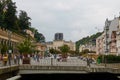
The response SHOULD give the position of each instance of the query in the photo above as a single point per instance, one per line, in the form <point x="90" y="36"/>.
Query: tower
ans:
<point x="58" y="36"/>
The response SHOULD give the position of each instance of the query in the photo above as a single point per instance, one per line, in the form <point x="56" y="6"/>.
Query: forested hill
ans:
<point x="85" y="40"/>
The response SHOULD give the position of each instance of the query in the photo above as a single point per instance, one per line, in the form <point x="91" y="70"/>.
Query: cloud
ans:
<point x="74" y="18"/>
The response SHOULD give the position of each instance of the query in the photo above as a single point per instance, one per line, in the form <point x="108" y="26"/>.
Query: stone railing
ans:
<point x="8" y="69"/>
<point x="60" y="68"/>
<point x="68" y="68"/>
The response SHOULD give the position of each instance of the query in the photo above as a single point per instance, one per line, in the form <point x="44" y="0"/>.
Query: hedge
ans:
<point x="109" y="59"/>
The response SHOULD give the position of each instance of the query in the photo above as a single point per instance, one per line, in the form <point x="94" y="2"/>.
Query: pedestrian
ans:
<point x="1" y="58"/>
<point x="5" y="59"/>
<point x="37" y="57"/>
<point x="15" y="59"/>
<point x="88" y="62"/>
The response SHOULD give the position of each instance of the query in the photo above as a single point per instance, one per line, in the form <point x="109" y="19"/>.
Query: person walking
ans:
<point x="5" y="59"/>
<point x="88" y="61"/>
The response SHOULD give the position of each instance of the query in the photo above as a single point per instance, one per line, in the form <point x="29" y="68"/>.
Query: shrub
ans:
<point x="109" y="58"/>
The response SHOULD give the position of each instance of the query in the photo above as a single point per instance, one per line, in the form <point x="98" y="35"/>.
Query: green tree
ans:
<point x="26" y="47"/>
<point x="4" y="48"/>
<point x="1" y="13"/>
<point x="64" y="49"/>
<point x="52" y="51"/>
<point x="24" y="22"/>
<point x="3" y="4"/>
<point x="10" y="15"/>
<point x="39" y="37"/>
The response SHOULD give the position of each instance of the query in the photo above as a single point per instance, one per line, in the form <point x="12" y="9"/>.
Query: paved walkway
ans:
<point x="72" y="61"/>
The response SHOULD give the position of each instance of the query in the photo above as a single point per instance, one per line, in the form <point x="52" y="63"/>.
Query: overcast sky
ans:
<point x="74" y="18"/>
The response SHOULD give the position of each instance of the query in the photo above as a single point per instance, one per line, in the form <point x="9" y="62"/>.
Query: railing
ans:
<point x="72" y="63"/>
<point x="47" y="61"/>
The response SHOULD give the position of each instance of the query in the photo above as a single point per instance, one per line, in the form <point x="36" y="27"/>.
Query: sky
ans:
<point x="74" y="18"/>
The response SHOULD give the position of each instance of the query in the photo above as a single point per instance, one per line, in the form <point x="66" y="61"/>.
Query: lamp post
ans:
<point x="9" y="47"/>
<point x="106" y="41"/>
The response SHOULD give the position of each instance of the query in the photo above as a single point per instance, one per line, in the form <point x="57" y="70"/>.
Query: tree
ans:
<point x="64" y="49"/>
<point x="4" y="48"/>
<point x="24" y="22"/>
<point x="52" y="51"/>
<point x="39" y="37"/>
<point x="3" y="4"/>
<point x="25" y="47"/>
<point x="10" y="15"/>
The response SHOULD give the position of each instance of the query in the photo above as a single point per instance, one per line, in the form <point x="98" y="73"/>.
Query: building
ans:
<point x="110" y="35"/>
<point x="12" y="39"/>
<point x="89" y="47"/>
<point x="81" y="48"/>
<point x="58" y="36"/>
<point x="58" y="42"/>
<point x="109" y="41"/>
<point x="29" y="32"/>
<point x="100" y="44"/>
<point x="118" y="37"/>
<point x="41" y="48"/>
<point x="9" y="38"/>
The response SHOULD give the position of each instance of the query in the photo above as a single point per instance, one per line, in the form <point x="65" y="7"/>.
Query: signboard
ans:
<point x="10" y="51"/>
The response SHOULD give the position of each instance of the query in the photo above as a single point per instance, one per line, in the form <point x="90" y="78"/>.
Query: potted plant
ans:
<point x="25" y="48"/>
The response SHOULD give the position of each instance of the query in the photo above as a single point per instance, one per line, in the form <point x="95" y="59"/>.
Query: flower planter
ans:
<point x="26" y="60"/>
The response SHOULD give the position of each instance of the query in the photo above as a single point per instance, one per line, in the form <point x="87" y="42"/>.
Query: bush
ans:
<point x="109" y="58"/>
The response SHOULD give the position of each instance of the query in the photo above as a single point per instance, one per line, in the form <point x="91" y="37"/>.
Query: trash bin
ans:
<point x="98" y="61"/>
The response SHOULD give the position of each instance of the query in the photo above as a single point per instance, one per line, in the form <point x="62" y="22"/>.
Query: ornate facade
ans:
<point x="10" y="39"/>
<point x="109" y="43"/>
<point x="58" y="43"/>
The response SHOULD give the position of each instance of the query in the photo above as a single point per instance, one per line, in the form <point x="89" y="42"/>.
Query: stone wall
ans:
<point x="68" y="68"/>
<point x="8" y="72"/>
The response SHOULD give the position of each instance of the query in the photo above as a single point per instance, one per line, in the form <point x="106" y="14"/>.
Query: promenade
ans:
<point x="72" y="61"/>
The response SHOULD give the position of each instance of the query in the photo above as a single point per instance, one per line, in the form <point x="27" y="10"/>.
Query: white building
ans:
<point x="100" y="44"/>
<point x="89" y="47"/>
<point x="109" y="42"/>
<point x="29" y="32"/>
<point x="118" y="37"/>
<point x="58" y="43"/>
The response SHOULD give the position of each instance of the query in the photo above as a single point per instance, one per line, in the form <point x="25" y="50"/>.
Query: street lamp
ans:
<point x="106" y="41"/>
<point x="9" y="47"/>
